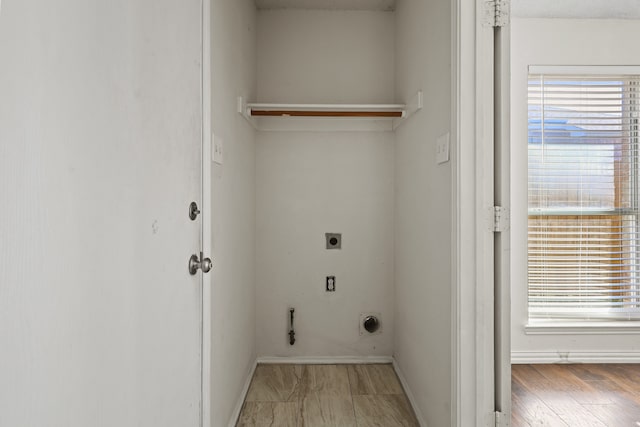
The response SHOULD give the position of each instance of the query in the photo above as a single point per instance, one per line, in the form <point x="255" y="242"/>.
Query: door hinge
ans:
<point x="500" y="419"/>
<point x="496" y="12"/>
<point x="498" y="219"/>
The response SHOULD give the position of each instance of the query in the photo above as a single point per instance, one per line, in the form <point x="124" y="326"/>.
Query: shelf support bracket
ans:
<point x="242" y="109"/>
<point x="415" y="104"/>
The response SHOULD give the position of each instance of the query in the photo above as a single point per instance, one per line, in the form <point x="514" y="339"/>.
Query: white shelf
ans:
<point x="397" y="113"/>
<point x="326" y="110"/>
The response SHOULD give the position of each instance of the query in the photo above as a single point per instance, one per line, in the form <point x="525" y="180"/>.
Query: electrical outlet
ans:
<point x="217" y="152"/>
<point x="442" y="148"/>
<point x="331" y="284"/>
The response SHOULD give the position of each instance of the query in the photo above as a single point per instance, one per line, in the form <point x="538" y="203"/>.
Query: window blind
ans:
<point x="583" y="192"/>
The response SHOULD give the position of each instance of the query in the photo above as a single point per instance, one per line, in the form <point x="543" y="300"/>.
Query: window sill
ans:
<point x="544" y="327"/>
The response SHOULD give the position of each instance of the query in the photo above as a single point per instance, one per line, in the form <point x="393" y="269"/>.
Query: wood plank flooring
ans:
<point x="576" y="395"/>
<point x="326" y="396"/>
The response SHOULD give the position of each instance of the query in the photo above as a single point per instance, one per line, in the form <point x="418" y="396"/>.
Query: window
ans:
<point x="584" y="191"/>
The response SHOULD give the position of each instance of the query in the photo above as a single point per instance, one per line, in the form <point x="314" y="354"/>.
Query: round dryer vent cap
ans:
<point x="371" y="324"/>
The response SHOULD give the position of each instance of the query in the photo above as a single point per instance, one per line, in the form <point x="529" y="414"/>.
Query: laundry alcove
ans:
<point x="329" y="113"/>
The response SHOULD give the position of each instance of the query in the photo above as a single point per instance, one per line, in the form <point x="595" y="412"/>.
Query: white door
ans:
<point x="100" y="156"/>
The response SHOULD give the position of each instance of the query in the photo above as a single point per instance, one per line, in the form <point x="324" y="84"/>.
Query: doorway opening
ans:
<point x="574" y="344"/>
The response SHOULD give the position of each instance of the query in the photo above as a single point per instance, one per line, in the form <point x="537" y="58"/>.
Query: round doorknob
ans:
<point x="199" y="262"/>
<point x="194" y="264"/>
<point x="206" y="265"/>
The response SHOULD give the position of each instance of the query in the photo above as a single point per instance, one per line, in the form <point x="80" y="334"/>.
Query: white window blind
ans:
<point x="584" y="207"/>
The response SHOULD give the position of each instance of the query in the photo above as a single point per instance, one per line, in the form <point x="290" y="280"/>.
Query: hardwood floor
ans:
<point x="326" y="396"/>
<point x="577" y="395"/>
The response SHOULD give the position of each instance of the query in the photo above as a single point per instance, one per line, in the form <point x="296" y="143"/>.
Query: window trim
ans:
<point x="585" y="69"/>
<point x="562" y="326"/>
<point x="583" y="327"/>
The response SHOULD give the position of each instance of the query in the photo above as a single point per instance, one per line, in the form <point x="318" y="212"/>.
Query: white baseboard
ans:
<point x="245" y="389"/>
<point x="524" y="357"/>
<point x="324" y="360"/>
<point x="409" y="394"/>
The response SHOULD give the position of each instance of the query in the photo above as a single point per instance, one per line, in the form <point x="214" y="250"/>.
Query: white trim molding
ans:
<point x="582" y="328"/>
<point x="526" y="357"/>
<point x="472" y="376"/>
<point x="584" y="69"/>
<point x="325" y="360"/>
<point x="235" y="415"/>
<point x="206" y="204"/>
<point x="410" y="396"/>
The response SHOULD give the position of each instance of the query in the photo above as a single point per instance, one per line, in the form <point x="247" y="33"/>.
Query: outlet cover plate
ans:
<point x="330" y="284"/>
<point x="442" y="148"/>
<point x="217" y="151"/>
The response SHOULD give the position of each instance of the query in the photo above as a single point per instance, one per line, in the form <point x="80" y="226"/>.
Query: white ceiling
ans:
<point x="621" y="9"/>
<point x="328" y="4"/>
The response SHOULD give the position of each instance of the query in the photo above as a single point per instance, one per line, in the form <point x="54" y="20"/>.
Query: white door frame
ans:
<point x="473" y="324"/>
<point x="473" y="379"/>
<point x="502" y="197"/>
<point x="207" y="206"/>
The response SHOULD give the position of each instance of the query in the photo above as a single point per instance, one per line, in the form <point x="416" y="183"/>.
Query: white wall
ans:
<point x="314" y="56"/>
<point x="233" y="289"/>
<point x="423" y="217"/>
<point x="556" y="42"/>
<point x="310" y="183"/>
